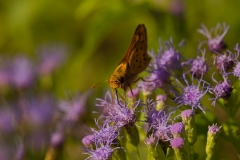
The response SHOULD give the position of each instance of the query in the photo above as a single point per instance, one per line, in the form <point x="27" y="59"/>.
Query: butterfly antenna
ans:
<point x="98" y="84"/>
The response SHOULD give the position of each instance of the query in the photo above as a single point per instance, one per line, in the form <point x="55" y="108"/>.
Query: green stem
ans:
<point x="192" y="152"/>
<point x="138" y="154"/>
<point x="149" y="155"/>
<point x="123" y="143"/>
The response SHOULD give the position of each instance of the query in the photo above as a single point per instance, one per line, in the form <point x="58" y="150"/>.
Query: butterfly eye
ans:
<point x="121" y="80"/>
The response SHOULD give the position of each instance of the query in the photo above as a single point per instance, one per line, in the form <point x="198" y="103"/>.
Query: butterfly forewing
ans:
<point x="138" y="58"/>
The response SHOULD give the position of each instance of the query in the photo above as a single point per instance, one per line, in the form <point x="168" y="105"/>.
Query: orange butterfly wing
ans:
<point x="136" y="55"/>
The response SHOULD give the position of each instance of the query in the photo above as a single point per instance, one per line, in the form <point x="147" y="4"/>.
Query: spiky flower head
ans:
<point x="158" y="78"/>
<point x="74" y="107"/>
<point x="192" y="95"/>
<point x="103" y="139"/>
<point x="168" y="55"/>
<point x="215" y="42"/>
<point x="117" y="112"/>
<point x="199" y="66"/>
<point x="102" y="152"/>
<point x="222" y="90"/>
<point x="236" y="69"/>
<point x="224" y="62"/>
<point x="167" y="60"/>
<point x="214" y="129"/>
<point x="159" y="122"/>
<point x="105" y="133"/>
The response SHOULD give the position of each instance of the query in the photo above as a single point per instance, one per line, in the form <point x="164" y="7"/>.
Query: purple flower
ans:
<point x="212" y="139"/>
<point x="106" y="133"/>
<point x="177" y="143"/>
<point x="75" y="107"/>
<point x="180" y="148"/>
<point x="199" y="66"/>
<point x="215" y="43"/>
<point x="224" y="62"/>
<point x="117" y="112"/>
<point x="57" y="139"/>
<point x="22" y="72"/>
<point x="38" y="111"/>
<point x="102" y="152"/>
<point x="192" y="95"/>
<point x="187" y="114"/>
<point x="167" y="60"/>
<point x="103" y="139"/>
<point x="214" y="129"/>
<point x="189" y="123"/>
<point x="236" y="69"/>
<point x="159" y="78"/>
<point x="133" y="93"/>
<point x="8" y="121"/>
<point x="222" y="90"/>
<point x="168" y="56"/>
<point x="150" y="140"/>
<point x="51" y="58"/>
<point x="159" y="122"/>
<point x="177" y="128"/>
<point x="161" y="98"/>
<point x="88" y="140"/>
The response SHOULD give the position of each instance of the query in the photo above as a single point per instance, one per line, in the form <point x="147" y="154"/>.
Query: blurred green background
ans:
<point x="98" y="33"/>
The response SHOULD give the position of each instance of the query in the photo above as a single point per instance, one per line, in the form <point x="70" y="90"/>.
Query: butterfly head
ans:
<point x="116" y="81"/>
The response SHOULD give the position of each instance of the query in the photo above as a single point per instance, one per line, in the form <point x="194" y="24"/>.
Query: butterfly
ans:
<point x="134" y="61"/>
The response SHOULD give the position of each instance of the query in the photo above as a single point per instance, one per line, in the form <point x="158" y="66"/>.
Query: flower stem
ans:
<point x="138" y="154"/>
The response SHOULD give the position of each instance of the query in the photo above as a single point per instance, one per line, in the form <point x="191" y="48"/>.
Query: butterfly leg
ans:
<point x="117" y="97"/>
<point x="131" y="93"/>
<point x="142" y="80"/>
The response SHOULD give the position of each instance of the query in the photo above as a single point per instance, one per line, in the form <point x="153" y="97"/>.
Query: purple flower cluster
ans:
<point x="161" y="108"/>
<point x="31" y="118"/>
<point x="21" y="72"/>
<point x="168" y="72"/>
